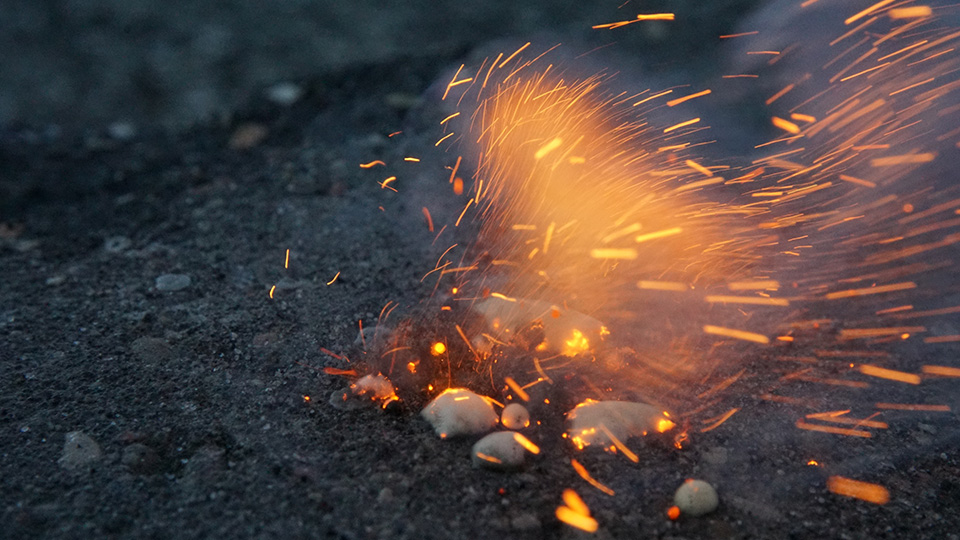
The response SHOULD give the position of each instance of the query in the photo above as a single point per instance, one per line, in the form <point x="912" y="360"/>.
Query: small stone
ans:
<point x="525" y="522"/>
<point x="515" y="416"/>
<point x="79" y="450"/>
<point x="284" y="94"/>
<point x="116" y="244"/>
<point x="696" y="498"/>
<point x="247" y="136"/>
<point x="172" y="282"/>
<point x="139" y="458"/>
<point x="458" y="411"/>
<point x="500" y="451"/>
<point x="122" y="131"/>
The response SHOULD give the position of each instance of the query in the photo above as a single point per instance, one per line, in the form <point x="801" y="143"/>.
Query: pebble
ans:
<point x="140" y="458"/>
<point x="515" y="416"/>
<point x="696" y="498"/>
<point x="499" y="451"/>
<point x="458" y="411"/>
<point x="284" y="94"/>
<point x="622" y="419"/>
<point x="79" y="450"/>
<point x="116" y="244"/>
<point x="172" y="282"/>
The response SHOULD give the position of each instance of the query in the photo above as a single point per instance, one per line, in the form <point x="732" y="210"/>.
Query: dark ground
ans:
<point x="196" y="396"/>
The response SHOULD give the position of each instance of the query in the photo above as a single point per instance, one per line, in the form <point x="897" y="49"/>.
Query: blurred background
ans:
<point x="78" y="64"/>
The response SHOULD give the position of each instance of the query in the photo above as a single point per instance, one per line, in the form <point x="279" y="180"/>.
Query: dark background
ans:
<point x="138" y="139"/>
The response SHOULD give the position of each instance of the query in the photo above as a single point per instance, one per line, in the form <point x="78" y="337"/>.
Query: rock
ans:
<point x="79" y="450"/>
<point x="502" y="451"/>
<point x="284" y="94"/>
<point x="525" y="522"/>
<point x="515" y="416"/>
<point x="367" y="390"/>
<point x="458" y="411"/>
<point x="172" y="282"/>
<point x="696" y="498"/>
<point x="593" y="422"/>
<point x="140" y="458"/>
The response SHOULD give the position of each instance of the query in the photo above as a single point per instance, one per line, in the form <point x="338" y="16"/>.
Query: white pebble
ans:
<point x="592" y="422"/>
<point x="696" y="498"/>
<point x="501" y="450"/>
<point x="79" y="450"/>
<point x="172" y="282"/>
<point x="515" y="416"/>
<point x="367" y="390"/>
<point x="458" y="411"/>
<point x="285" y="93"/>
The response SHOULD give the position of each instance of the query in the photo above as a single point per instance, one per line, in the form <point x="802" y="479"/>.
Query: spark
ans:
<point x="526" y="443"/>
<point x="640" y="17"/>
<point x="517" y="389"/>
<point x="718" y="421"/>
<point x="372" y="164"/>
<point x="736" y="334"/>
<point x="271" y="291"/>
<point x="868" y="11"/>
<point x="865" y="491"/>
<point x="913" y="12"/>
<point x="753" y="285"/>
<point x="680" y="125"/>
<point x="785" y="125"/>
<point x="663" y="286"/>
<point x="871" y="290"/>
<point x="438" y="348"/>
<point x="912" y="407"/>
<point x="755" y="300"/>
<point x="834" y="430"/>
<point x="547" y="148"/>
<point x="582" y="471"/>
<point x="426" y="215"/>
<point x="905" y="159"/>
<point x="334" y="279"/>
<point x="679" y="100"/>
<point x="624" y="254"/>
<point x="286" y="261"/>
<point x="861" y="333"/>
<point x="657" y="235"/>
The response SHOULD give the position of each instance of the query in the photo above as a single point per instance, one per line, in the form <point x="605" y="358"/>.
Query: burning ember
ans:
<point x="593" y="259"/>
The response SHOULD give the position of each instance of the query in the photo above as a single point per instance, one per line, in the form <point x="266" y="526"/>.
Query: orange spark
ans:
<point x="834" y="430"/>
<point x="680" y="100"/>
<point x="865" y="491"/>
<point x="905" y="159"/>
<point x="517" y="389"/>
<point x="426" y="214"/>
<point x="912" y="407"/>
<point x="334" y="279"/>
<point x="372" y="164"/>
<point x="625" y="254"/>
<point x="681" y="124"/>
<point x="640" y="17"/>
<point x="658" y="234"/>
<point x="736" y="334"/>
<point x="868" y="11"/>
<point x="913" y="12"/>
<point x="907" y="285"/>
<point x="526" y="443"/>
<point x="785" y="125"/>
<point x="582" y="471"/>
<point x="755" y="300"/>
<point x="717" y="422"/>
<point x="890" y="374"/>
<point x="663" y="286"/>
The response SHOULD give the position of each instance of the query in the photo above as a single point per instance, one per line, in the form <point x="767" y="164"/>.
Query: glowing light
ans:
<point x="577" y="344"/>
<point x="736" y="334"/>
<point x="526" y="443"/>
<point x="438" y="348"/>
<point x="865" y="491"/>
<point x="673" y="513"/>
<point x="664" y="425"/>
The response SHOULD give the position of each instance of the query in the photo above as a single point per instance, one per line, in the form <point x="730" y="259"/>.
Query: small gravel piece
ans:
<point x="172" y="282"/>
<point x="515" y="416"/>
<point x="79" y="450"/>
<point x="458" y="411"/>
<point x="696" y="498"/>
<point x="499" y="451"/>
